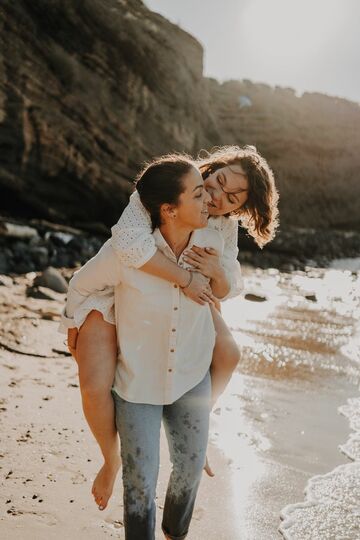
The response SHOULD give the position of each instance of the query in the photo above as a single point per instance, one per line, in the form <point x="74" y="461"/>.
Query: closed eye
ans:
<point x="230" y="198"/>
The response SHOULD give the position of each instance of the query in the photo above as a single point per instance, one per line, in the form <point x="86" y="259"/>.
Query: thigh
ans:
<point x="186" y="423"/>
<point x="226" y="351"/>
<point x="221" y="328"/>
<point x="96" y="351"/>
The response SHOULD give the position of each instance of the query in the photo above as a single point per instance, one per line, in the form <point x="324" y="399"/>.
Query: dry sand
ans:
<point x="264" y="446"/>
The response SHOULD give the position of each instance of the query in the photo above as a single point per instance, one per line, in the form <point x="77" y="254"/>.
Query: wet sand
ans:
<point x="269" y="435"/>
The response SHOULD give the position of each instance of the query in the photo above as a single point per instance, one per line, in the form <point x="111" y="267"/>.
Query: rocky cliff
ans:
<point x="91" y="89"/>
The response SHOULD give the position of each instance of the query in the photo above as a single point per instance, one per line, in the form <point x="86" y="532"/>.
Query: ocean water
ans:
<point x="305" y="326"/>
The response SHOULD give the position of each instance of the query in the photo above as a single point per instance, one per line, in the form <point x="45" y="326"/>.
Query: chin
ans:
<point x="203" y="223"/>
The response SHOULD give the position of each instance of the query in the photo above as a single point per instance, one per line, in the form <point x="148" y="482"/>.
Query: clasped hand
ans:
<point x="205" y="265"/>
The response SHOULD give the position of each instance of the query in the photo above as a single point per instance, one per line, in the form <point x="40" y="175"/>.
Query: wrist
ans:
<point x="218" y="274"/>
<point x="188" y="281"/>
<point x="184" y="278"/>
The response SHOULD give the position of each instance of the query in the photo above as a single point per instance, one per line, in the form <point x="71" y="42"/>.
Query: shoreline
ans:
<point x="51" y="457"/>
<point x="293" y="376"/>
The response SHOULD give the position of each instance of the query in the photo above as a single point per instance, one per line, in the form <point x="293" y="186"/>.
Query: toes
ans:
<point x="208" y="469"/>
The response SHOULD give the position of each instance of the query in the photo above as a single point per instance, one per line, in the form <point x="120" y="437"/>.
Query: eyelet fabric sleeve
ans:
<point x="228" y="228"/>
<point x="132" y="237"/>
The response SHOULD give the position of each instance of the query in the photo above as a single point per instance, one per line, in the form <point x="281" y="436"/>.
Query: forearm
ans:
<point x="220" y="284"/>
<point x="159" y="265"/>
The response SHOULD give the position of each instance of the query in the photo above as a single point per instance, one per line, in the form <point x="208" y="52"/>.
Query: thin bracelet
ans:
<point x="188" y="283"/>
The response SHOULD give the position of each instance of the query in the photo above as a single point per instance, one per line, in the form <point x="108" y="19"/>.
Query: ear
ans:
<point x="168" y="211"/>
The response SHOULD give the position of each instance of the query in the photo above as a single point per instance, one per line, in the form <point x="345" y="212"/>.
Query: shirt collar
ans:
<point x="162" y="244"/>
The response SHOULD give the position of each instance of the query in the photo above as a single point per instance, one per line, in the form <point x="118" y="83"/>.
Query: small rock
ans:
<point x="255" y="298"/>
<point x="40" y="256"/>
<point x="287" y="267"/>
<point x="4" y="264"/>
<point x="52" y="279"/>
<point x="5" y="281"/>
<point x="311" y="297"/>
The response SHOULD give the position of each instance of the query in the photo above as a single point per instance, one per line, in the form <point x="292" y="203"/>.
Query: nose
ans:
<point x="207" y="197"/>
<point x="215" y="194"/>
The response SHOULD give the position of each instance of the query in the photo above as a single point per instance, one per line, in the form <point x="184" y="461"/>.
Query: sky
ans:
<point x="308" y="45"/>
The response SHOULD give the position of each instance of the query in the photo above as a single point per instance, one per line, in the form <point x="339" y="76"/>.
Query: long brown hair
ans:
<point x="259" y="215"/>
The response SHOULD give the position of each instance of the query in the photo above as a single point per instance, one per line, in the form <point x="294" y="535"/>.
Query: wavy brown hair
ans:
<point x="259" y="215"/>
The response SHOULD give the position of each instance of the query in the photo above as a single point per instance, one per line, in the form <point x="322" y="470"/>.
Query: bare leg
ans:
<point x="96" y="355"/>
<point x="225" y="358"/>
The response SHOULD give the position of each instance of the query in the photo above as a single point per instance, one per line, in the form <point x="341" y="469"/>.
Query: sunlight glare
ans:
<point x="284" y="29"/>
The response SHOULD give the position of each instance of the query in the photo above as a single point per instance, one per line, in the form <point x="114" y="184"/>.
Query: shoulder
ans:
<point x="209" y="238"/>
<point x="226" y="226"/>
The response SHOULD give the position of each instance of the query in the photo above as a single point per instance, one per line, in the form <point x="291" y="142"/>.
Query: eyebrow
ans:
<point x="199" y="186"/>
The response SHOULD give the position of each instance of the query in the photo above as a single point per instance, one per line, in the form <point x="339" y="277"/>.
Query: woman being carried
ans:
<point x="241" y="186"/>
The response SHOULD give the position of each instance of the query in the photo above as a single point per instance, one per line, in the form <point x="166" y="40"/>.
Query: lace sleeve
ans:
<point x="132" y="237"/>
<point x="228" y="228"/>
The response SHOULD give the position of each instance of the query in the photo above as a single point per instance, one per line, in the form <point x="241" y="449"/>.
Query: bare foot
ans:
<point x="208" y="469"/>
<point x="104" y="482"/>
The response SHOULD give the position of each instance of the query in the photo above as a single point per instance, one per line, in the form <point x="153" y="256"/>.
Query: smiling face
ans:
<point x="192" y="211"/>
<point x="228" y="189"/>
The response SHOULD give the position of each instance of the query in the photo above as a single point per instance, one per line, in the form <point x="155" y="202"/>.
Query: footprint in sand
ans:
<point x="43" y="517"/>
<point x="198" y="513"/>
<point x="114" y="523"/>
<point x="78" y="478"/>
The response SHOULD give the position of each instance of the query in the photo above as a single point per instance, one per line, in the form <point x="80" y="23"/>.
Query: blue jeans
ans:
<point x="186" y="423"/>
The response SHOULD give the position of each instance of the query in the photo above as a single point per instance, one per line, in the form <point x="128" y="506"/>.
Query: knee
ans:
<point x="95" y="390"/>
<point x="95" y="317"/>
<point x="233" y="354"/>
<point x="229" y="353"/>
<point x="188" y="471"/>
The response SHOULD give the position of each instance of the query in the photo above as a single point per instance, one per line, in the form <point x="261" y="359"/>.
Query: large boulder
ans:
<point x="88" y="91"/>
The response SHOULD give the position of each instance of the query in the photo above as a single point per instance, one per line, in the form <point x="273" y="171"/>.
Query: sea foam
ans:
<point x="332" y="507"/>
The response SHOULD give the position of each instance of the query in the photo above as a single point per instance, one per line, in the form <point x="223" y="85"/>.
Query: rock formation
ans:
<point x="91" y="89"/>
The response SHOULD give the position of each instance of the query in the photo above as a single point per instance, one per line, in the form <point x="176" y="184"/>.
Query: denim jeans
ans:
<point x="186" y="423"/>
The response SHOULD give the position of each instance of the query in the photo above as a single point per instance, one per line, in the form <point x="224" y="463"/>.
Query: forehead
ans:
<point x="235" y="177"/>
<point x="192" y="179"/>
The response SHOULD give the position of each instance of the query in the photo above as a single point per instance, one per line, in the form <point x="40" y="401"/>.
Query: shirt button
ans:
<point x="175" y="286"/>
<point x="170" y="370"/>
<point x="173" y="329"/>
<point x="172" y="350"/>
<point x="175" y="308"/>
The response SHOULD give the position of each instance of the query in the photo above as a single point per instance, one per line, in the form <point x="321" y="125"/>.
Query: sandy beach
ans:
<point x="276" y="426"/>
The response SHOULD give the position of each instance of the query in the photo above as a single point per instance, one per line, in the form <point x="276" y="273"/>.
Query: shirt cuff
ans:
<point x="65" y="323"/>
<point x="236" y="287"/>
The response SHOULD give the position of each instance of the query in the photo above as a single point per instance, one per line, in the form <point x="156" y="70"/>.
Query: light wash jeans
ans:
<point x="186" y="423"/>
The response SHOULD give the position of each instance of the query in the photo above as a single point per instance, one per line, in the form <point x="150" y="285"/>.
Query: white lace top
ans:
<point x="134" y="244"/>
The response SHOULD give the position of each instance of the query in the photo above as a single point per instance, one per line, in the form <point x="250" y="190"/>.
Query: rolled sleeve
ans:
<point x="99" y="275"/>
<point x="65" y="323"/>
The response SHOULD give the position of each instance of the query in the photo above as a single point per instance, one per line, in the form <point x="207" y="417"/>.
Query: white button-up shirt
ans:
<point x="134" y="243"/>
<point x="165" y="339"/>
